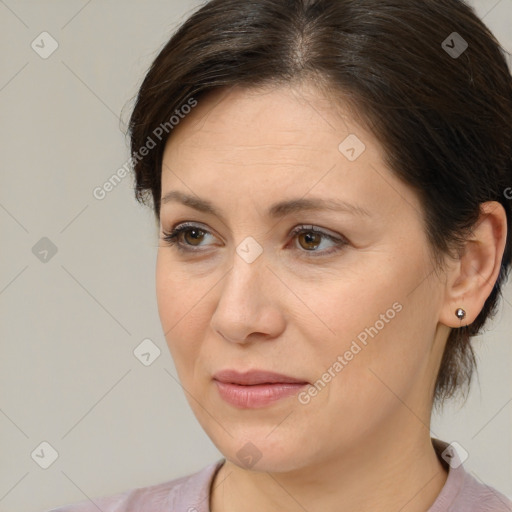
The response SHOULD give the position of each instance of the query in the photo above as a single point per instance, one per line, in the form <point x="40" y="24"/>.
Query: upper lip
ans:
<point x="252" y="377"/>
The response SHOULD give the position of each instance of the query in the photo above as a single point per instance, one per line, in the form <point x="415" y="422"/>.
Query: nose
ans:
<point x="250" y="303"/>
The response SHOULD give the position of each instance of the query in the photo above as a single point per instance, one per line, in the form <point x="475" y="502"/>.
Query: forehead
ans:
<point x="280" y="141"/>
<point x="261" y="113"/>
<point x="292" y="122"/>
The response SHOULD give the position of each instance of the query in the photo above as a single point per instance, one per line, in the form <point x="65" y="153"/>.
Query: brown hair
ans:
<point x="443" y="119"/>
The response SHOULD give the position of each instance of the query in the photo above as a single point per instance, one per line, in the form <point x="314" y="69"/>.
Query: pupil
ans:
<point x="195" y="234"/>
<point x="310" y="239"/>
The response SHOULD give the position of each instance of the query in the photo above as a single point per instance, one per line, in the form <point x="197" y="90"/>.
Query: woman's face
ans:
<point x="355" y="316"/>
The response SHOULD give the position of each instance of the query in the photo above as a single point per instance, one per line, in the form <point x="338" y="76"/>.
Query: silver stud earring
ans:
<point x="460" y="313"/>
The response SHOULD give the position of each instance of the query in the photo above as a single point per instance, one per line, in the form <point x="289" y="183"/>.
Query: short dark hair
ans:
<point x="442" y="111"/>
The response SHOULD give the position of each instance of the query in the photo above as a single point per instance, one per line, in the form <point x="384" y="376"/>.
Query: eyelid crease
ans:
<point x="171" y="238"/>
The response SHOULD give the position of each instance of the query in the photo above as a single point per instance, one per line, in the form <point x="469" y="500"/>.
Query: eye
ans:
<point x="186" y="237"/>
<point x="310" y="238"/>
<point x="191" y="233"/>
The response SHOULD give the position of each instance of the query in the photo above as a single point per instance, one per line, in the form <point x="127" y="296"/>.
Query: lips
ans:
<point x="256" y="388"/>
<point x="255" y="377"/>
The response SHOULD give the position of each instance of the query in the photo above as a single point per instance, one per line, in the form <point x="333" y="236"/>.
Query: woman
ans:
<point x="330" y="182"/>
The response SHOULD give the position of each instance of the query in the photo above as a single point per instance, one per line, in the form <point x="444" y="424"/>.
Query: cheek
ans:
<point x="356" y="381"/>
<point x="177" y="293"/>
<point x="379" y="365"/>
<point x="181" y="312"/>
<point x="380" y="342"/>
<point x="336" y="311"/>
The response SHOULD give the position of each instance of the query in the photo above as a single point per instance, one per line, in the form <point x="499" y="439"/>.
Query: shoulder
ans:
<point x="463" y="492"/>
<point x="476" y="496"/>
<point x="190" y="492"/>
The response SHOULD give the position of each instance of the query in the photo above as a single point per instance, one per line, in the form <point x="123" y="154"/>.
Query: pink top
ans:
<point x="191" y="493"/>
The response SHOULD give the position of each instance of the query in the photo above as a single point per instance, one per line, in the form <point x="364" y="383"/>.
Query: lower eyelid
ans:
<point x="178" y="231"/>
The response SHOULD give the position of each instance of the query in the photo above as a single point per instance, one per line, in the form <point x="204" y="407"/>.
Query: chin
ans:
<point x="256" y="450"/>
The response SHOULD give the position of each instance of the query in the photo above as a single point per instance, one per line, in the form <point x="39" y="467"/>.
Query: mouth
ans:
<point x="255" y="388"/>
<point x="255" y="377"/>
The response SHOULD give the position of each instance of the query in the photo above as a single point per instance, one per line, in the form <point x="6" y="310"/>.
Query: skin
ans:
<point x="363" y="442"/>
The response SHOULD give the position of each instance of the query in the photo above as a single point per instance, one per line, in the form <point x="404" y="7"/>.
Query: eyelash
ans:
<point x="171" y="239"/>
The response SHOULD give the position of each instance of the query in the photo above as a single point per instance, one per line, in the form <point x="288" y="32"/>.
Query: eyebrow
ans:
<point x="277" y="210"/>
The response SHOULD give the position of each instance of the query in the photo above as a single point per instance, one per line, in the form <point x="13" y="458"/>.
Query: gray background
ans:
<point x="69" y="326"/>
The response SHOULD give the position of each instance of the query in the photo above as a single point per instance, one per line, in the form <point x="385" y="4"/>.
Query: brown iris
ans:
<point x="310" y="237"/>
<point x="196" y="235"/>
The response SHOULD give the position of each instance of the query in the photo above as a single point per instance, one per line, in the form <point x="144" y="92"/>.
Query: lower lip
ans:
<point x="259" y="395"/>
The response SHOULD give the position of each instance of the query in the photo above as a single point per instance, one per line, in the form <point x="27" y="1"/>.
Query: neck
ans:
<point x="390" y="473"/>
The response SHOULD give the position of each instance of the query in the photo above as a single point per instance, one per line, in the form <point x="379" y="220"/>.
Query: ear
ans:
<point x="471" y="279"/>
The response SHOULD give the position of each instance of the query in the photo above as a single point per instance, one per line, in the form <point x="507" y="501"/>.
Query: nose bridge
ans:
<point x="244" y="281"/>
<point x="244" y="305"/>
